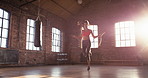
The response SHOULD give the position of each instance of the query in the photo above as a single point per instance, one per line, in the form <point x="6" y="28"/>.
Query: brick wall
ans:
<point x="17" y="33"/>
<point x="105" y="15"/>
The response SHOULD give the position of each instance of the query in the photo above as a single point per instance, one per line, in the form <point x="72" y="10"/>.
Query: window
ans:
<point x="57" y="40"/>
<point x="31" y="34"/>
<point x="94" y="41"/>
<point x="4" y="28"/>
<point x="125" y="34"/>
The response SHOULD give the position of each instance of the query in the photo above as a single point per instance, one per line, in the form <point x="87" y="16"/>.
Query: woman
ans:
<point x="86" y="44"/>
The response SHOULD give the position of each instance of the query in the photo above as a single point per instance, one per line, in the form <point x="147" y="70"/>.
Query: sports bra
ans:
<point x="86" y="33"/>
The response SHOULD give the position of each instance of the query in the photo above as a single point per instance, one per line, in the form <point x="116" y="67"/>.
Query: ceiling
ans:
<point x="65" y="9"/>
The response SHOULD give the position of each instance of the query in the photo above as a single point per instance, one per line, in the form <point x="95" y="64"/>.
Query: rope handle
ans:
<point x="100" y="42"/>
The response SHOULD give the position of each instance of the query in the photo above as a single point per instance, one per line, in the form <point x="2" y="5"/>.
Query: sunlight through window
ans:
<point x="94" y="41"/>
<point x="31" y="34"/>
<point x="142" y="29"/>
<point x="125" y="34"/>
<point x="57" y="40"/>
<point x="4" y="28"/>
<point x="122" y="73"/>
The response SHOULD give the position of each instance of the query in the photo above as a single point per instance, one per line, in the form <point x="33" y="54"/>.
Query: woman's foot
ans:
<point x="88" y="68"/>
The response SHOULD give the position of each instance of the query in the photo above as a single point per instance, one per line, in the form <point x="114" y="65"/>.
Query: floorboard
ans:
<point x="75" y="71"/>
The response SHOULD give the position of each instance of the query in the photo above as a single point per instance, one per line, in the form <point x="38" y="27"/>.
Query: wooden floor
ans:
<point x="75" y="71"/>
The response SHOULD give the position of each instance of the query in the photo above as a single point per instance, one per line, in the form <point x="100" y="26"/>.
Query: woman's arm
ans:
<point x="93" y="35"/>
<point x="98" y="35"/>
<point x="100" y="42"/>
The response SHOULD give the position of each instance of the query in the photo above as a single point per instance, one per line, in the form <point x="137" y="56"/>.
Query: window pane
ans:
<point x="41" y="34"/>
<point x="31" y="30"/>
<point x="57" y="41"/>
<point x="5" y="23"/>
<point x="122" y="37"/>
<point x="117" y="37"/>
<point x="33" y="47"/>
<point x="121" y="24"/>
<point x="117" y="31"/>
<point x="122" y="31"/>
<point x="90" y="27"/>
<point x="30" y="35"/>
<point x="32" y="23"/>
<point x="27" y="38"/>
<point x="127" y="24"/>
<point x="127" y="36"/>
<point x="37" y="48"/>
<point x="127" y="43"/>
<point x="56" y="37"/>
<point x="0" y="41"/>
<point x="30" y="46"/>
<point x="95" y="32"/>
<point x="4" y="42"/>
<point x="5" y="33"/>
<point x="0" y="32"/>
<point x="1" y="13"/>
<point x="122" y="43"/>
<point x="118" y="44"/>
<point x="28" y="22"/>
<point x="28" y="29"/>
<point x="32" y="38"/>
<point x="0" y="22"/>
<point x="5" y="15"/>
<point x="126" y="30"/>
<point x="94" y="41"/>
<point x="27" y="45"/>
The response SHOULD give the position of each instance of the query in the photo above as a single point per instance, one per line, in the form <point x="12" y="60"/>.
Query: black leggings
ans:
<point x="86" y="44"/>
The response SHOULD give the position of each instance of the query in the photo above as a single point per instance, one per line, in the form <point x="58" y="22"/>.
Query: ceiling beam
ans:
<point x="62" y="7"/>
<point x="27" y="3"/>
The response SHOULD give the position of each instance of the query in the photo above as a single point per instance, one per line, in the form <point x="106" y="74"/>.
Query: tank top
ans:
<point x="86" y="33"/>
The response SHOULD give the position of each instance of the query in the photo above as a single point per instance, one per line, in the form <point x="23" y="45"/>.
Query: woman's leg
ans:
<point x="88" y="55"/>
<point x="84" y="48"/>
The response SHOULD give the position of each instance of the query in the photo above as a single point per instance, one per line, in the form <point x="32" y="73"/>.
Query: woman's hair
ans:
<point x="85" y="21"/>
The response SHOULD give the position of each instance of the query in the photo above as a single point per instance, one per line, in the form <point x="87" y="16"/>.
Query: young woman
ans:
<point x="85" y="39"/>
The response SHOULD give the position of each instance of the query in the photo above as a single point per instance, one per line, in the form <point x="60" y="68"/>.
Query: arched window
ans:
<point x="4" y="28"/>
<point x="31" y="34"/>
<point x="57" y="40"/>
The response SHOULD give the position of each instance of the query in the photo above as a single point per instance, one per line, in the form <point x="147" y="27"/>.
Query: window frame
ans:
<point x="56" y="33"/>
<point x="32" y="34"/>
<point x="123" y="34"/>
<point x="95" y="31"/>
<point x="2" y="18"/>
